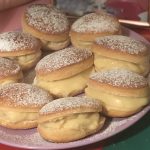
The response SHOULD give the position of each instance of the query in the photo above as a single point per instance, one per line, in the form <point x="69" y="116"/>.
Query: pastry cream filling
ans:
<point x="27" y="59"/>
<point x="17" y="78"/>
<point x="57" y="42"/>
<point x="8" y="81"/>
<point x="54" y="44"/>
<point x="15" y="117"/>
<point x="79" y="122"/>
<point x="101" y="63"/>
<point x="66" y="86"/>
<point x="116" y="102"/>
<point x="85" y="42"/>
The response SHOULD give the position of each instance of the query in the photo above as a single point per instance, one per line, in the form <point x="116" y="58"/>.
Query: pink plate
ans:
<point x="31" y="139"/>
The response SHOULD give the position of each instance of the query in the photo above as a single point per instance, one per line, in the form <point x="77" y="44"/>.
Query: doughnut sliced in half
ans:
<point x="87" y="28"/>
<point x="64" y="73"/>
<point x="122" y="52"/>
<point x="70" y="119"/>
<point x="48" y="24"/>
<point x="122" y="92"/>
<point x="10" y="71"/>
<point x="20" y="47"/>
<point x="20" y="104"/>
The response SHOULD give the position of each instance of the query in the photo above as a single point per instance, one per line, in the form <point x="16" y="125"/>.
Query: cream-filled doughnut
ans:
<point x="48" y="24"/>
<point x="122" y="92"/>
<point x="69" y="119"/>
<point x="64" y="73"/>
<point x="20" y="104"/>
<point x="10" y="71"/>
<point x="122" y="52"/>
<point x="20" y="47"/>
<point x="87" y="28"/>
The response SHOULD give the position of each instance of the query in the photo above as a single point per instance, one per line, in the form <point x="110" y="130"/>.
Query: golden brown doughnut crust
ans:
<point x="120" y="82"/>
<point x="100" y="22"/>
<point x="23" y="97"/>
<point x="67" y="136"/>
<point x="135" y="92"/>
<point x="65" y="72"/>
<point x="45" y="36"/>
<point x="17" y="43"/>
<point x="66" y="106"/>
<point x="121" y="92"/>
<point x="52" y="26"/>
<point x="121" y="48"/>
<point x="93" y="25"/>
<point x="19" y="105"/>
<point x="64" y="64"/>
<point x="19" y="125"/>
<point x="9" y="70"/>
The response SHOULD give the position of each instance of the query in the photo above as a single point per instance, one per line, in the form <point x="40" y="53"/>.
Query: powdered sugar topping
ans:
<point x="69" y="103"/>
<point x="96" y="22"/>
<point x="122" y="43"/>
<point x="16" y="41"/>
<point x="46" y="18"/>
<point x="8" y="67"/>
<point x="21" y="94"/>
<point x="62" y="58"/>
<point x="120" y="77"/>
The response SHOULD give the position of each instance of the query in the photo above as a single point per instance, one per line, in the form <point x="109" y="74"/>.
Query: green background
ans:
<point x="137" y="137"/>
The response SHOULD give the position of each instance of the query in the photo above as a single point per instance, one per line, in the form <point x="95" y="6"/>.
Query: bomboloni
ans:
<point x="87" y="28"/>
<point x="69" y="119"/>
<point x="10" y="71"/>
<point x="20" y="104"/>
<point x="64" y="73"/>
<point x="122" y="52"/>
<point x="48" y="24"/>
<point x="121" y="92"/>
<point x="20" y="47"/>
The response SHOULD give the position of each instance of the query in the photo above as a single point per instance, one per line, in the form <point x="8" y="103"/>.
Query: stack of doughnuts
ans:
<point x="118" y="51"/>
<point x="64" y="73"/>
<point x="69" y="119"/>
<point x="87" y="28"/>
<point x="122" y="92"/>
<point x="48" y="24"/>
<point x="10" y="71"/>
<point x="21" y="47"/>
<point x="20" y="104"/>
